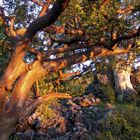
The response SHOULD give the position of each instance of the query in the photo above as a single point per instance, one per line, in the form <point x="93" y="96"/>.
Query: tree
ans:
<point x="123" y="85"/>
<point x="79" y="44"/>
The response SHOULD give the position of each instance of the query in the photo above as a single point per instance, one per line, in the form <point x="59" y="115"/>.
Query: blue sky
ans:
<point x="1" y="2"/>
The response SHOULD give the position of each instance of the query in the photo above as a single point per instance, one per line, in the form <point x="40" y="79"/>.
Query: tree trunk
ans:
<point x="123" y="85"/>
<point x="6" y="127"/>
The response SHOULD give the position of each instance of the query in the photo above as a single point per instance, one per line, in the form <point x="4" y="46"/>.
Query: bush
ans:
<point x="120" y="124"/>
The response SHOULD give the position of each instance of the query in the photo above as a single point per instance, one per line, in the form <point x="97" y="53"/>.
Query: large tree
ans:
<point x="85" y="30"/>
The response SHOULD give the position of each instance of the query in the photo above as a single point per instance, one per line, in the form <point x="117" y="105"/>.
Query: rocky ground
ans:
<point x="76" y="118"/>
<point x="79" y="118"/>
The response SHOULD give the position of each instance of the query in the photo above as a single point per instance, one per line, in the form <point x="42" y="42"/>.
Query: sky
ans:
<point x="1" y="2"/>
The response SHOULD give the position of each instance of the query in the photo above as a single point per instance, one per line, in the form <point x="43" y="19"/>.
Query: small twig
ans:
<point x="45" y="7"/>
<point x="37" y="2"/>
<point x="12" y="32"/>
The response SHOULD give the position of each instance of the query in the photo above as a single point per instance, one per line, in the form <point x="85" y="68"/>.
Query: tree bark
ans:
<point x="123" y="85"/>
<point x="6" y="126"/>
<point x="19" y="76"/>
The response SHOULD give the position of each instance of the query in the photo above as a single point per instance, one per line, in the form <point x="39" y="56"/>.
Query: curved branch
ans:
<point x="15" y="68"/>
<point x="46" y="20"/>
<point x="135" y="33"/>
<point x="125" y="10"/>
<point x="59" y="63"/>
<point x="38" y="70"/>
<point x="23" y="85"/>
<point x="44" y="9"/>
<point x="104" y="3"/>
<point x="38" y="3"/>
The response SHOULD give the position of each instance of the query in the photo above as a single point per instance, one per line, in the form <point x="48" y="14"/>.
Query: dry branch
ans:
<point x="44" y="9"/>
<point x="104" y="3"/>
<point x="37" y="2"/>
<point x="125" y="10"/>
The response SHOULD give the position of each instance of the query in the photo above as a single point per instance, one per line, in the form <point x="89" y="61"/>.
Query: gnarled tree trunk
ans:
<point x="19" y="76"/>
<point x="123" y="85"/>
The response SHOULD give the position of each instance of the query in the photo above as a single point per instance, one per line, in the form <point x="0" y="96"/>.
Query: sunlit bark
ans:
<point x="19" y="76"/>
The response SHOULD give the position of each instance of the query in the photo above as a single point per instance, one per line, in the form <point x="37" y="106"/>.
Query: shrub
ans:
<point x="120" y="124"/>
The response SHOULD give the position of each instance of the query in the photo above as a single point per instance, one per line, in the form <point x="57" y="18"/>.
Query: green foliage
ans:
<point x="74" y="87"/>
<point x="87" y="16"/>
<point x="121" y="123"/>
<point x="5" y="49"/>
<point x="138" y="89"/>
<point x="45" y="110"/>
<point x="107" y="93"/>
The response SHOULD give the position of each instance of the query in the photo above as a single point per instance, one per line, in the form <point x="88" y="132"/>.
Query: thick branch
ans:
<point x="12" y="32"/>
<point x="15" y="68"/>
<point x="46" y="20"/>
<point x="24" y="83"/>
<point x="57" y="64"/>
<point x="135" y="33"/>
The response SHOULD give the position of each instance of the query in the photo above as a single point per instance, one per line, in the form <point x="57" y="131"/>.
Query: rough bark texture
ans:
<point x="123" y="83"/>
<point x="19" y="76"/>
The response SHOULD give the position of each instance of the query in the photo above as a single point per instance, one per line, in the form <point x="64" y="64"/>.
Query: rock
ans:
<point x="34" y="116"/>
<point x="97" y="101"/>
<point x="29" y="132"/>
